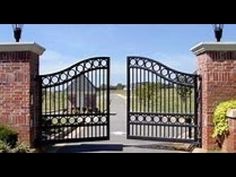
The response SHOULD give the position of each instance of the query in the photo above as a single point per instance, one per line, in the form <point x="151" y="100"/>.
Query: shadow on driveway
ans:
<point x="90" y="147"/>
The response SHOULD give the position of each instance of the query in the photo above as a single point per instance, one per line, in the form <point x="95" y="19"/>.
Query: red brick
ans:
<point x="17" y="71"/>
<point x="218" y="81"/>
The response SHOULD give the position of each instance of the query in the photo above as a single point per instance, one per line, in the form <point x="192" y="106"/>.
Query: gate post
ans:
<point x="19" y="93"/>
<point x="217" y="67"/>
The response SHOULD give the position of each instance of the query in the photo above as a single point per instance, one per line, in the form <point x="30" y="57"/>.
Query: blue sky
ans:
<point x="67" y="44"/>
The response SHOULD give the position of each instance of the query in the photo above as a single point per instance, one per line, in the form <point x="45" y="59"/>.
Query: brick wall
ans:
<point x="218" y="71"/>
<point x="18" y="93"/>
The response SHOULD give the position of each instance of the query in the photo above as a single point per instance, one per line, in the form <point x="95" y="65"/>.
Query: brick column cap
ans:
<point x="22" y="46"/>
<point x="213" y="46"/>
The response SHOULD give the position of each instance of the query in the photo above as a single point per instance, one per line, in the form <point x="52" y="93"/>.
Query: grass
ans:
<point x="59" y="101"/>
<point x="158" y="100"/>
<point x="164" y="100"/>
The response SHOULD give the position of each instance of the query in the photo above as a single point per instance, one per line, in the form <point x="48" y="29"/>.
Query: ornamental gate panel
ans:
<point x="75" y="103"/>
<point x="162" y="103"/>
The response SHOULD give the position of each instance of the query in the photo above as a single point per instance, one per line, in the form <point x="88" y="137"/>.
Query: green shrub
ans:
<point x="8" y="136"/>
<point x="4" y="148"/>
<point x="21" y="148"/>
<point x="221" y="127"/>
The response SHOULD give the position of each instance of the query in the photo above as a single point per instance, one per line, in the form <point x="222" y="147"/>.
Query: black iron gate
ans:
<point x="162" y="103"/>
<point x="75" y="103"/>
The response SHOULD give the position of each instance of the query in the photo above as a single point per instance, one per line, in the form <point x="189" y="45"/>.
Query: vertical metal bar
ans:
<point x="108" y="98"/>
<point x="100" y="88"/>
<point x="68" y="110"/>
<point x="168" y="94"/>
<point x="137" y="102"/>
<point x="134" y="106"/>
<point x="190" y="111"/>
<point x="75" y="91"/>
<point x="76" y="106"/>
<point x="97" y="89"/>
<point x="63" y="106"/>
<point x="59" y="99"/>
<point x="103" y="100"/>
<point x="145" y="106"/>
<point x="181" y="103"/>
<point x="153" y="96"/>
<point x="132" y="88"/>
<point x="144" y="92"/>
<point x="50" y="99"/>
<point x="128" y="96"/>
<point x="169" y="110"/>
<point x="88" y="102"/>
<point x="140" y="91"/>
<point x="156" y="127"/>
<point x="103" y="89"/>
<point x="72" y="96"/>
<point x="185" y="102"/>
<point x="152" y="130"/>
<point x="161" y="87"/>
<point x="173" y="110"/>
<point x="148" y="93"/>
<point x="181" y="132"/>
<point x="73" y="106"/>
<point x="165" y="96"/>
<point x="67" y="98"/>
<point x="160" y="127"/>
<point x="177" y="99"/>
<point x="195" y="109"/>
<point x="80" y="90"/>
<point x="136" y="87"/>
<point x="63" y="98"/>
<point x="156" y="95"/>
<point x="84" y="105"/>
<point x="92" y="100"/>
<point x="149" y="97"/>
<point x="45" y="98"/>
<point x="173" y="97"/>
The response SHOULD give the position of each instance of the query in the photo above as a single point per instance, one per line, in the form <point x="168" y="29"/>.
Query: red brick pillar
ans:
<point x="19" y="65"/>
<point x="217" y="67"/>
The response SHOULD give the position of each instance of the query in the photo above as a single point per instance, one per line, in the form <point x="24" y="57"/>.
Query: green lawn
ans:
<point x="164" y="100"/>
<point x="59" y="102"/>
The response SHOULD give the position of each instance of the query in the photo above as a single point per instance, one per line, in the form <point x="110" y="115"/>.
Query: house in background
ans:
<point x="82" y="94"/>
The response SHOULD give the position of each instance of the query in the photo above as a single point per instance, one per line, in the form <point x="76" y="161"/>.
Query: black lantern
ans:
<point x="218" y="29"/>
<point x="17" y="28"/>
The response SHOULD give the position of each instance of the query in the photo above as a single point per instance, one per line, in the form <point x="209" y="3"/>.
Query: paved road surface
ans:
<point x="118" y="142"/>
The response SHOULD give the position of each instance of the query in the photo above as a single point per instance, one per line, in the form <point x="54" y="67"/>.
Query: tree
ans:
<point x="119" y="86"/>
<point x="146" y="90"/>
<point x="182" y="90"/>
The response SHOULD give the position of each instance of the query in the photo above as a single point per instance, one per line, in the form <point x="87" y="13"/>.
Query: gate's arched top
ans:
<point x="162" y="70"/>
<point x="75" y="70"/>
